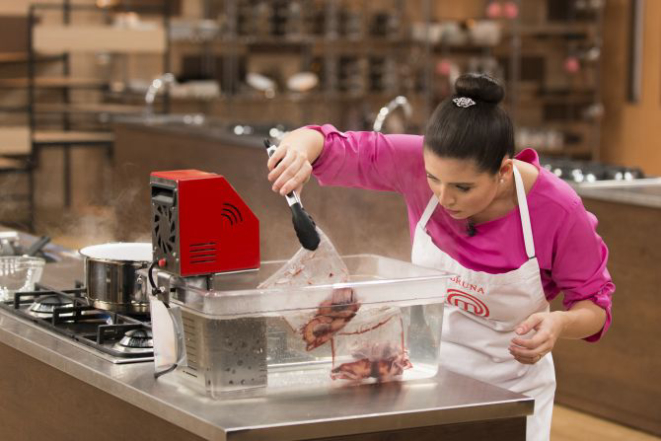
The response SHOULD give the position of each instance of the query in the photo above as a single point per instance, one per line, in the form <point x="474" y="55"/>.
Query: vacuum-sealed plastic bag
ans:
<point x="374" y="347"/>
<point x="372" y="334"/>
<point x="319" y="267"/>
<point x="322" y="266"/>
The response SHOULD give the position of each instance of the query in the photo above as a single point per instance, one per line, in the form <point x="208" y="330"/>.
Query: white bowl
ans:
<point x="302" y="81"/>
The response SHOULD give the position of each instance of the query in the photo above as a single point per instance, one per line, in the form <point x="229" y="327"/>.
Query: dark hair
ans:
<point x="482" y="131"/>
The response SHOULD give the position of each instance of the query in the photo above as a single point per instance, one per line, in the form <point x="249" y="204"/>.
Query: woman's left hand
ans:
<point x="548" y="327"/>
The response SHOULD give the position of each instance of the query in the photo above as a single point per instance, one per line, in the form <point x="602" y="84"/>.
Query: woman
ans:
<point x="514" y="234"/>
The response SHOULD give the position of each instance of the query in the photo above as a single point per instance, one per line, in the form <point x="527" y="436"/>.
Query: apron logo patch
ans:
<point x="467" y="302"/>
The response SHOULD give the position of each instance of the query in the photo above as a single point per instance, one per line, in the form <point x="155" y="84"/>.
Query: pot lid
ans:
<point x="120" y="251"/>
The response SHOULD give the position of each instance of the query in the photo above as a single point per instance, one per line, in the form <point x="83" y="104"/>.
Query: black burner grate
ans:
<point x="76" y="319"/>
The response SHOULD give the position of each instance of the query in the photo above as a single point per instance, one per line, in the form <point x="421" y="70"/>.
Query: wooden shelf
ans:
<point x="11" y="164"/>
<point x="53" y="83"/>
<point x="23" y="57"/>
<point x="51" y="38"/>
<point x="15" y="140"/>
<point x="244" y="45"/>
<point x="53" y="137"/>
<point x="304" y="41"/>
<point x="470" y="49"/>
<point x="560" y="29"/>
<point x="89" y="108"/>
<point x="14" y="109"/>
<point x="13" y="57"/>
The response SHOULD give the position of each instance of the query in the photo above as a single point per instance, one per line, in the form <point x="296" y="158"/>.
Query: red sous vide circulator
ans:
<point x="200" y="224"/>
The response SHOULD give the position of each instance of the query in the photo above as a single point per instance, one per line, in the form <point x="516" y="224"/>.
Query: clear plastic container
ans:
<point x="382" y="325"/>
<point x="19" y="273"/>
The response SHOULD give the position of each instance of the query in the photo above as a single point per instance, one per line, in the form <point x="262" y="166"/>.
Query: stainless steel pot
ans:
<point x="111" y="279"/>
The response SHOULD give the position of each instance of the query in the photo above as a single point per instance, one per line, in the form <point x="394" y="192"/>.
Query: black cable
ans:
<point x="470" y="229"/>
<point x="165" y="371"/>
<point x="155" y="290"/>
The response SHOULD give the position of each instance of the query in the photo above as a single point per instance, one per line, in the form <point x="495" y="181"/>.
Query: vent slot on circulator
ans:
<point x="165" y="229"/>
<point x="203" y="252"/>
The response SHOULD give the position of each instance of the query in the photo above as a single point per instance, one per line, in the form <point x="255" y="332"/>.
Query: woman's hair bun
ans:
<point x="479" y="87"/>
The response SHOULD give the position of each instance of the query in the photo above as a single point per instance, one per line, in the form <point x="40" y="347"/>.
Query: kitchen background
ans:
<point x="96" y="94"/>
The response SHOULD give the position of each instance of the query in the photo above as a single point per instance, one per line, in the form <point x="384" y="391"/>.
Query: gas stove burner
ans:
<point x="136" y="341"/>
<point x="43" y="307"/>
<point x="578" y="171"/>
<point x="99" y="331"/>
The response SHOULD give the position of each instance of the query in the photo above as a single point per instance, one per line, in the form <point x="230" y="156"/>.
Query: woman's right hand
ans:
<point x="289" y="168"/>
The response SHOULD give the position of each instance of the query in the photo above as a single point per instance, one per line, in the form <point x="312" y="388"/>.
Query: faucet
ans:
<point x="397" y="102"/>
<point x="155" y="86"/>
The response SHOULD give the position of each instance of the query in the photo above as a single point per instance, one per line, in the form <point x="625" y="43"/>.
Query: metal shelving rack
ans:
<point x="68" y="136"/>
<point x="572" y="113"/>
<point x="511" y="52"/>
<point x="327" y="48"/>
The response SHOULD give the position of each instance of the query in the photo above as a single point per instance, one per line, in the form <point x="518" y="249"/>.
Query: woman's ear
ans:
<point x="506" y="169"/>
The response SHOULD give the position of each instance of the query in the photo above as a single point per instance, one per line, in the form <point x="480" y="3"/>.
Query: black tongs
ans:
<point x="305" y="228"/>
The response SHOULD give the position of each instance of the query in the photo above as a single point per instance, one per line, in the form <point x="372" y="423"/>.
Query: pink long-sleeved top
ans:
<point x="571" y="255"/>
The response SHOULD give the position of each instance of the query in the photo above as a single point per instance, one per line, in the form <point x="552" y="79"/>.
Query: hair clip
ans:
<point x="463" y="102"/>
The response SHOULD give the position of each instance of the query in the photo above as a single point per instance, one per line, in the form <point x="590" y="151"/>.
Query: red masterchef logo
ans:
<point x="467" y="302"/>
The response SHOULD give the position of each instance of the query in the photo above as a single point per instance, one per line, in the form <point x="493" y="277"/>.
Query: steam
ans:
<point x="124" y="219"/>
<point x="95" y="226"/>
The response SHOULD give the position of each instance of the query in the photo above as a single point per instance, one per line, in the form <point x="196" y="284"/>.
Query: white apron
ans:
<point x="481" y="313"/>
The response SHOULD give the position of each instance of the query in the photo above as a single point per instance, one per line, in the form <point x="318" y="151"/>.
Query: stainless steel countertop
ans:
<point x="262" y="414"/>
<point x="642" y="192"/>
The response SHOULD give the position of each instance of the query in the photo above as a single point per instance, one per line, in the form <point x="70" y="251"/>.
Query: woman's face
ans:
<point x="461" y="188"/>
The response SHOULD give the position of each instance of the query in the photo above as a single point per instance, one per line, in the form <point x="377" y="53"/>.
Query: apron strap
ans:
<point x="431" y="206"/>
<point x="525" y="214"/>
